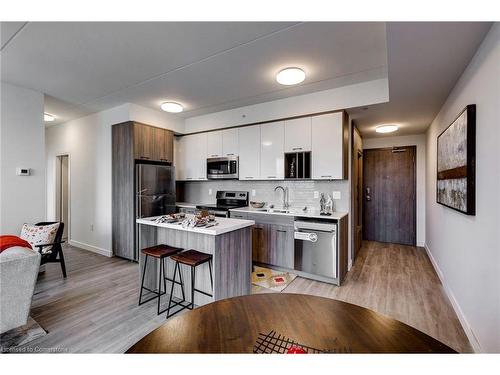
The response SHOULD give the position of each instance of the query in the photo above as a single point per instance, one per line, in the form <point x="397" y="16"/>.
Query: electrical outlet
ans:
<point x="316" y="194"/>
<point x="335" y="194"/>
<point x="209" y="191"/>
<point x="253" y="192"/>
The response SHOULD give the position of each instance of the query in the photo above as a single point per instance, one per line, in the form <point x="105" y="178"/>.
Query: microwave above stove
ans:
<point x="224" y="168"/>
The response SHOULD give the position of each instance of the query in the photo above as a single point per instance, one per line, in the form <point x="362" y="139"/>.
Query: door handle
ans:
<point x="368" y="196"/>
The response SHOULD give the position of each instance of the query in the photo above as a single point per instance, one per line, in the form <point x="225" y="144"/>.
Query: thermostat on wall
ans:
<point x="23" y="171"/>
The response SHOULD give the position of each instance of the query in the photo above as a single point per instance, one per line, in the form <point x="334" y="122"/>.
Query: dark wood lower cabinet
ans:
<point x="273" y="244"/>
<point x="260" y="246"/>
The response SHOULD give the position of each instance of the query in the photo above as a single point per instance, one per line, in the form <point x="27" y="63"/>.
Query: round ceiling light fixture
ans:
<point x="172" y="107"/>
<point x="290" y="76"/>
<point x="386" y="128"/>
<point x="47" y="117"/>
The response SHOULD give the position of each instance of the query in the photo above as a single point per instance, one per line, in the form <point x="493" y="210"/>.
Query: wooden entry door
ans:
<point x="389" y="195"/>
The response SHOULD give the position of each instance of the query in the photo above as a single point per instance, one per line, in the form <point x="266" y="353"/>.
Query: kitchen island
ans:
<point x="229" y="242"/>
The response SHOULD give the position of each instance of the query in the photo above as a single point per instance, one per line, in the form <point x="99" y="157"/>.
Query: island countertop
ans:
<point x="224" y="225"/>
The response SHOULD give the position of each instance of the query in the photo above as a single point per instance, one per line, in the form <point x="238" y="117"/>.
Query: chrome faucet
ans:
<point x="286" y="204"/>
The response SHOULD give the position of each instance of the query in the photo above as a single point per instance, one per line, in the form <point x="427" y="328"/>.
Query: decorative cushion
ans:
<point x="39" y="235"/>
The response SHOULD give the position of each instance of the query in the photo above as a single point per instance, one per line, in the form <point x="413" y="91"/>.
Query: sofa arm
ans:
<point x="18" y="273"/>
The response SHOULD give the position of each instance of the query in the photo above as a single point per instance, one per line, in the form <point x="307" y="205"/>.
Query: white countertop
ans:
<point x="293" y="211"/>
<point x="225" y="225"/>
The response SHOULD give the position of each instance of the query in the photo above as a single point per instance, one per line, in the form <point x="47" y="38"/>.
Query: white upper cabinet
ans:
<point x="191" y="157"/>
<point x="327" y="147"/>
<point x="272" y="143"/>
<point x="230" y="142"/>
<point x="214" y="144"/>
<point x="222" y="143"/>
<point x="249" y="152"/>
<point x="298" y="135"/>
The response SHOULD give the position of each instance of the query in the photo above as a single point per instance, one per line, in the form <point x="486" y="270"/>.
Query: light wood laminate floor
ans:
<point x="95" y="308"/>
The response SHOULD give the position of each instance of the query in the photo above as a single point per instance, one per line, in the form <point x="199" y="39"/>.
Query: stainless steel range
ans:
<point x="225" y="201"/>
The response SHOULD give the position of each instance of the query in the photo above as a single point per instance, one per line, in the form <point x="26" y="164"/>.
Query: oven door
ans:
<point x="222" y="168"/>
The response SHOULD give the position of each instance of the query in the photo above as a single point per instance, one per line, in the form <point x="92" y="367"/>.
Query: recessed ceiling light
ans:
<point x="48" y="117"/>
<point x="290" y="76"/>
<point x="171" y="107"/>
<point x="386" y="128"/>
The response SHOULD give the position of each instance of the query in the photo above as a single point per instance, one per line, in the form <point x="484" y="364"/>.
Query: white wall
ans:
<point x="466" y="249"/>
<point x="87" y="140"/>
<point x="371" y="92"/>
<point x="410" y="140"/>
<point x="22" y="145"/>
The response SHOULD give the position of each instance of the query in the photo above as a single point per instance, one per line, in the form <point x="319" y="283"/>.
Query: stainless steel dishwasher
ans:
<point x="316" y="248"/>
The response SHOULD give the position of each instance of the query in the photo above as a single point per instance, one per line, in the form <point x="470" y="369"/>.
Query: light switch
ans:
<point x="253" y="193"/>
<point x="209" y="191"/>
<point x="316" y="194"/>
<point x="336" y="195"/>
<point x="23" y="171"/>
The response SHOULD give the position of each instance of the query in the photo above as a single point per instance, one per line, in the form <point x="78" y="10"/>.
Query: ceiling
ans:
<point x="208" y="67"/>
<point x="425" y="60"/>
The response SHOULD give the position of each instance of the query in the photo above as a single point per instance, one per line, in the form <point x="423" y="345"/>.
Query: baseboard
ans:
<point x="91" y="248"/>
<point x="461" y="317"/>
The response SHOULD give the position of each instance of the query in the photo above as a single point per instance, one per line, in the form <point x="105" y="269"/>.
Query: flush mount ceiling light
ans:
<point x="386" y="128"/>
<point x="290" y="76"/>
<point x="48" y="117"/>
<point x="172" y="107"/>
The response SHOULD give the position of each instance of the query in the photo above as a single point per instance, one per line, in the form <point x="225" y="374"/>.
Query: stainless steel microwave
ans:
<point x="222" y="168"/>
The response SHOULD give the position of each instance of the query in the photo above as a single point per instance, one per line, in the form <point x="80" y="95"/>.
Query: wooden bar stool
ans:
<point x="193" y="259"/>
<point x="160" y="252"/>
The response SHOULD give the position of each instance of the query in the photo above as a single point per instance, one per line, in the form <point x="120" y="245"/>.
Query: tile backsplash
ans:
<point x="301" y="193"/>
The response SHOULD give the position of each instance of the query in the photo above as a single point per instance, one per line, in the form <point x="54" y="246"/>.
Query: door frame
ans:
<point x="355" y="213"/>
<point x="57" y="171"/>
<point x="414" y="185"/>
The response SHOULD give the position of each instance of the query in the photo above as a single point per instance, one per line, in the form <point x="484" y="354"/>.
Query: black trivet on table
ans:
<point x="274" y="342"/>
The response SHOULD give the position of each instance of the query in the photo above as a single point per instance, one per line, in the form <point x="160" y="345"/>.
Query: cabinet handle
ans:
<point x="145" y="157"/>
<point x="296" y="148"/>
<point x="189" y="178"/>
<point x="271" y="176"/>
<point x="164" y="160"/>
<point x="229" y="154"/>
<point x="213" y="156"/>
<point x="279" y="230"/>
<point x="249" y="177"/>
<point x="327" y="176"/>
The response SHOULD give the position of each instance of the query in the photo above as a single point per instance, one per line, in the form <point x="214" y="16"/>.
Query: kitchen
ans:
<point x="199" y="178"/>
<point x="269" y="175"/>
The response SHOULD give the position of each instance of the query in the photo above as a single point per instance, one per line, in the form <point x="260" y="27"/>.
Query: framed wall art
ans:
<point x="456" y="163"/>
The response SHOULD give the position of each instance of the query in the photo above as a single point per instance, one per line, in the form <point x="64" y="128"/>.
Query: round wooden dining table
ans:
<point x="270" y="322"/>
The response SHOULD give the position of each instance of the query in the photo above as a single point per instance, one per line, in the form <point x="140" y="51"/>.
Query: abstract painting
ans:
<point x="456" y="149"/>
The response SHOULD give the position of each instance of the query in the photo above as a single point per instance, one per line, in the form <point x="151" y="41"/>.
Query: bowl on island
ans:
<point x="257" y="204"/>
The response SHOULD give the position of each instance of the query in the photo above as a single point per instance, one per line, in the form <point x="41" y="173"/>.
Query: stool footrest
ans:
<point x="184" y="304"/>
<point x="202" y="292"/>
<point x="155" y="292"/>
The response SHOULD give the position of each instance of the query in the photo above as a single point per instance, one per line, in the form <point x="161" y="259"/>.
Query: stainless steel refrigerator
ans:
<point x="155" y="192"/>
